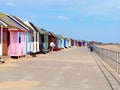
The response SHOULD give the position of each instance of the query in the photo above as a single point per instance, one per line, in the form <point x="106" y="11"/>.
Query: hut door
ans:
<point x="46" y="41"/>
<point x="14" y="42"/>
<point x="5" y="42"/>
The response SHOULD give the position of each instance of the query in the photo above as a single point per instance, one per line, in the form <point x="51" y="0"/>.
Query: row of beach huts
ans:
<point x="18" y="38"/>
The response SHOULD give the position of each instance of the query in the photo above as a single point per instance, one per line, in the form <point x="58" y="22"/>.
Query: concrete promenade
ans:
<point x="71" y="69"/>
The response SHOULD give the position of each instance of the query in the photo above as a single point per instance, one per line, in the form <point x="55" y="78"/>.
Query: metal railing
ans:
<point x="110" y="57"/>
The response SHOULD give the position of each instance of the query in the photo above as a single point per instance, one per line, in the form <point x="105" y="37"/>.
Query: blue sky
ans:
<point x="91" y="20"/>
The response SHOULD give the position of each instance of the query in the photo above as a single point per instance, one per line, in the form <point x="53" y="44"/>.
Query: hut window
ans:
<point x="19" y="37"/>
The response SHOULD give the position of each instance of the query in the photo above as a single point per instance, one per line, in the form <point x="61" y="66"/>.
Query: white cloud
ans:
<point x="10" y="4"/>
<point x="62" y="17"/>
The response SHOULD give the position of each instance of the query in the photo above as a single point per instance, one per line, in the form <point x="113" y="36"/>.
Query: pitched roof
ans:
<point x="35" y="28"/>
<point x="3" y="23"/>
<point x="19" y="22"/>
<point x="40" y="31"/>
<point x="10" y="24"/>
<point x="45" y="31"/>
<point x="60" y="36"/>
<point x="29" y="24"/>
<point x="52" y="34"/>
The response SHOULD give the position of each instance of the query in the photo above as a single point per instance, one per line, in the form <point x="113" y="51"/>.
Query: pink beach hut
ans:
<point x="17" y="43"/>
<point x="26" y="37"/>
<point x="15" y="39"/>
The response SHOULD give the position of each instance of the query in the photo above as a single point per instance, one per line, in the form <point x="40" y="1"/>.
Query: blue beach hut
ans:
<point x="35" y="37"/>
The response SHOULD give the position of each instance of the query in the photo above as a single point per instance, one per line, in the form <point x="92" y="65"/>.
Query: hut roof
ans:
<point x="35" y="28"/>
<point x="6" y="22"/>
<point x="45" y="31"/>
<point x="3" y="23"/>
<point x="19" y="22"/>
<point x="62" y="36"/>
<point x="40" y="31"/>
<point x="52" y="34"/>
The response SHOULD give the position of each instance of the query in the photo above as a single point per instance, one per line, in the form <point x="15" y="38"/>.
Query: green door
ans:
<point x="45" y="44"/>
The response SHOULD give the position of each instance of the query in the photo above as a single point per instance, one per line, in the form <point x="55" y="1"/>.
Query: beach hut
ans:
<point x="60" y="41"/>
<point x="37" y="37"/>
<point x="65" y="40"/>
<point x="29" y="42"/>
<point x="75" y="42"/>
<point x="72" y="42"/>
<point x="53" y="38"/>
<point x="41" y="33"/>
<point x="69" y="42"/>
<point x="4" y="39"/>
<point x="44" y="39"/>
<point x="80" y="43"/>
<point x="12" y="37"/>
<point x="85" y="43"/>
<point x="25" y="38"/>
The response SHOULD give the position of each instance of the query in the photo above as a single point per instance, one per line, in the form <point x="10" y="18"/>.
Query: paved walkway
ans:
<point x="71" y="69"/>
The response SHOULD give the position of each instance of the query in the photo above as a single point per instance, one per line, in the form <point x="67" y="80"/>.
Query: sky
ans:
<point x="90" y="20"/>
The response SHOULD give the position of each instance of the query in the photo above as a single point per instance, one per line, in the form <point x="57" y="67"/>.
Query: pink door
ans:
<point x="14" y="43"/>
